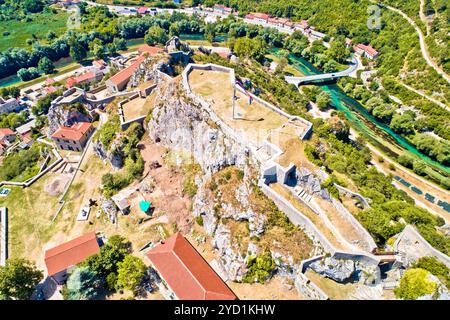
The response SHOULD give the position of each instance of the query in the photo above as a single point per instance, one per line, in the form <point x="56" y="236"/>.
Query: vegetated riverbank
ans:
<point x="377" y="133"/>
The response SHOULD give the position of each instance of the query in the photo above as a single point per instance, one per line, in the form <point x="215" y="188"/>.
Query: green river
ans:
<point x="374" y="131"/>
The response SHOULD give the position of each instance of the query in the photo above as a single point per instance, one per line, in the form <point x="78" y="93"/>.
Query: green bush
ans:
<point x="415" y="283"/>
<point x="260" y="268"/>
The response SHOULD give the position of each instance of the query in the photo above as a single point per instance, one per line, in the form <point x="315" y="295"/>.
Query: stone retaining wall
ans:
<point x="354" y="194"/>
<point x="3" y="235"/>
<point x="307" y="288"/>
<point x="29" y="182"/>
<point x="362" y="232"/>
<point x="296" y="217"/>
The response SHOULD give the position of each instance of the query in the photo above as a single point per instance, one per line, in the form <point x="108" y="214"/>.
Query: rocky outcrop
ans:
<point x="65" y="115"/>
<point x="114" y="155"/>
<point x="150" y="70"/>
<point x="344" y="270"/>
<point x="181" y="125"/>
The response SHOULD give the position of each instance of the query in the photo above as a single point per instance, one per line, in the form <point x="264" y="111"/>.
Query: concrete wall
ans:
<point x="3" y="235"/>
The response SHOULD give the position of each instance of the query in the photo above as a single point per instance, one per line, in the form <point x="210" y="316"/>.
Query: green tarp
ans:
<point x="145" y="205"/>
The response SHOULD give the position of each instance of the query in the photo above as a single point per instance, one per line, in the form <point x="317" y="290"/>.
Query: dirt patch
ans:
<point x="333" y="289"/>
<point x="56" y="185"/>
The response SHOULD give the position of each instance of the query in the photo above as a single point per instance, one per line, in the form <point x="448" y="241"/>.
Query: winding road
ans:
<point x="423" y="46"/>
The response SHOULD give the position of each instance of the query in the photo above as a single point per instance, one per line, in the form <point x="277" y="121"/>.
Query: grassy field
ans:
<point x="40" y="26"/>
<point x="138" y="107"/>
<point x="253" y="121"/>
<point x="29" y="214"/>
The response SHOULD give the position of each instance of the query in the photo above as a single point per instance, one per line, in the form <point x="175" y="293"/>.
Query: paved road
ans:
<point x="423" y="46"/>
<point x="325" y="76"/>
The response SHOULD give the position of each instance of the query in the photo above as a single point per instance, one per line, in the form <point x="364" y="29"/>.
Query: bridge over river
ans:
<point x="324" y="76"/>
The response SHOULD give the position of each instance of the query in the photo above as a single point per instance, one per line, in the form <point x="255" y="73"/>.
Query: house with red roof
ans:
<point x="221" y="9"/>
<point x="185" y="274"/>
<point x="261" y="17"/>
<point x="119" y="81"/>
<point x="366" y="50"/>
<point x="49" y="81"/>
<point x="99" y="64"/>
<point x="151" y="51"/>
<point x="73" y="138"/>
<point x="87" y="77"/>
<point x="143" y="10"/>
<point x="60" y="259"/>
<point x="249" y="16"/>
<point x="348" y="42"/>
<point x="7" y="135"/>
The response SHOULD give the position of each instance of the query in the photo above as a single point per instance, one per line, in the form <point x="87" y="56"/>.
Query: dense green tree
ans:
<point x="33" y="6"/>
<point x="82" y="284"/>
<point x="77" y="50"/>
<point x="113" y="252"/>
<point x="18" y="279"/>
<point x="338" y="51"/>
<point x="436" y="268"/>
<point x="415" y="283"/>
<point x="27" y="74"/>
<point x="46" y="65"/>
<point x="250" y="48"/>
<point x="323" y="100"/>
<point x="156" y="35"/>
<point x="130" y="273"/>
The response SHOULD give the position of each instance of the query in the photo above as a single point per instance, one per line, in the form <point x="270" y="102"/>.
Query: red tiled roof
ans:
<point x="75" y="132"/>
<point x="249" y="16"/>
<point x="126" y="73"/>
<point x="263" y="16"/>
<point x="79" y="79"/>
<point x="5" y="132"/>
<point x="71" y="253"/>
<point x="51" y="89"/>
<point x="186" y="272"/>
<point x="367" y="49"/>
<point x="142" y="10"/>
<point x="99" y="63"/>
<point x="151" y="50"/>
<point x="49" y="81"/>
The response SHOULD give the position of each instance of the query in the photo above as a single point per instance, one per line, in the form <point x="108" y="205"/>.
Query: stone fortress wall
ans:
<point x="274" y="171"/>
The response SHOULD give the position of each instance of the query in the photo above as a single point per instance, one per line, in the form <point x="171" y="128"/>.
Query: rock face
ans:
<point x="338" y="270"/>
<point x="114" y="154"/>
<point x="183" y="126"/>
<point x="63" y="115"/>
<point x="148" y="70"/>
<point x="342" y="270"/>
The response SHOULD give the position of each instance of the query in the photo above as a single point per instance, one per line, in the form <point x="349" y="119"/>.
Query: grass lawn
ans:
<point x="21" y="31"/>
<point x="138" y="107"/>
<point x="30" y="212"/>
<point x="253" y="121"/>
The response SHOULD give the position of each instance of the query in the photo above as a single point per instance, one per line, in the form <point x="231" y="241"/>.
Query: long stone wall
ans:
<point x="362" y="232"/>
<point x="413" y="236"/>
<point x="353" y="194"/>
<point x="29" y="182"/>
<point x="3" y="235"/>
<point x="297" y="217"/>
